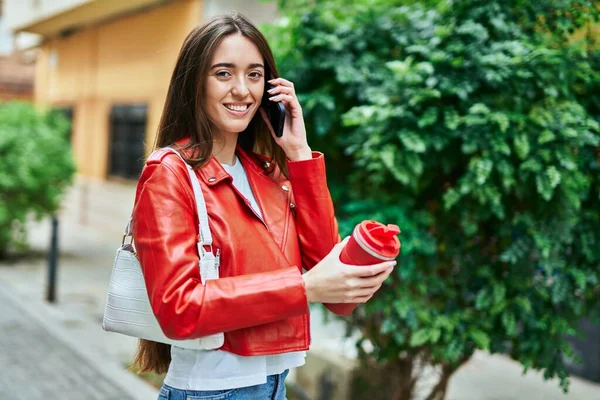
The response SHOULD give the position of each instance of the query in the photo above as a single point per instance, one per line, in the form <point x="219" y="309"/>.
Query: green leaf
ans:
<point x="425" y="68"/>
<point x="388" y="155"/>
<point x="547" y="136"/>
<point x="479" y="108"/>
<point x="444" y="322"/>
<point x="510" y="323"/>
<point x="579" y="277"/>
<point x="388" y="326"/>
<point x="481" y="339"/>
<point x="521" y="145"/>
<point x="451" y="119"/>
<point x="434" y="335"/>
<point x="412" y="141"/>
<point x="429" y="118"/>
<point x="553" y="176"/>
<point x="399" y="338"/>
<point x="451" y="197"/>
<point x="570" y="133"/>
<point x="502" y="120"/>
<point x="499" y="292"/>
<point x="400" y="68"/>
<point x="483" y="299"/>
<point x="483" y="168"/>
<point x="419" y="338"/>
<point x="559" y="291"/>
<point x="546" y="183"/>
<point x="402" y="308"/>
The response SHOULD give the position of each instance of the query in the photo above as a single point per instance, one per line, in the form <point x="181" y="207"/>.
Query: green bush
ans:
<point x="36" y="166"/>
<point x="475" y="127"/>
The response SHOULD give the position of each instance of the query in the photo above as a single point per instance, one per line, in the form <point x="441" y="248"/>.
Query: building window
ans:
<point x="127" y="132"/>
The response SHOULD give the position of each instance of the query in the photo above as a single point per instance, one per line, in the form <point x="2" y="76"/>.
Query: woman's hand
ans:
<point x="332" y="281"/>
<point x="293" y="141"/>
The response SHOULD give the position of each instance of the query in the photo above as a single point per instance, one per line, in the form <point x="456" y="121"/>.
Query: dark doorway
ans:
<point x="127" y="132"/>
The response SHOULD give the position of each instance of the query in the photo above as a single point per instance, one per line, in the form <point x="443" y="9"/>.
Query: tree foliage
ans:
<point x="36" y="166"/>
<point x="475" y="127"/>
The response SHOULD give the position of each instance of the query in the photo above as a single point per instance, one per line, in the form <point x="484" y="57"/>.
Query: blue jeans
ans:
<point x="274" y="389"/>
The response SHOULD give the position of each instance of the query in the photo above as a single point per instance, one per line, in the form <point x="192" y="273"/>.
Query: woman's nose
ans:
<point x="240" y="88"/>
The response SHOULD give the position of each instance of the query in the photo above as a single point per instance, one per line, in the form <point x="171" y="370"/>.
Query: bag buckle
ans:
<point x="201" y="250"/>
<point x="124" y="237"/>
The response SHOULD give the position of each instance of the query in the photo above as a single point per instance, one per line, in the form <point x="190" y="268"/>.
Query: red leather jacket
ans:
<point x="259" y="301"/>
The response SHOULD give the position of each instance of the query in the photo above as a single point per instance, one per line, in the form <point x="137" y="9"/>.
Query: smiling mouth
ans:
<point x="237" y="107"/>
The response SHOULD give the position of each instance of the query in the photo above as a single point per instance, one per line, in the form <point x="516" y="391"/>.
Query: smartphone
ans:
<point x="275" y="110"/>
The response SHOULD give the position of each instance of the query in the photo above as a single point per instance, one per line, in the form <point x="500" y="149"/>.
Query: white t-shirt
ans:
<point x="218" y="369"/>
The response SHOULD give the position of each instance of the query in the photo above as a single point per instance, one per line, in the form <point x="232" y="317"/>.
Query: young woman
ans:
<point x="270" y="213"/>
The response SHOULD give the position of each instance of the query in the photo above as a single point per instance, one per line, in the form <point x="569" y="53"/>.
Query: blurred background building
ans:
<point x="16" y="67"/>
<point x="107" y="64"/>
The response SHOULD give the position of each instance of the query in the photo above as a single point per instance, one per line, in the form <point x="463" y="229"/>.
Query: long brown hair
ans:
<point x="184" y="117"/>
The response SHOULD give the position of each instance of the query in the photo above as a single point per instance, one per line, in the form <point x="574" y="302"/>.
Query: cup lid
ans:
<point x="383" y="239"/>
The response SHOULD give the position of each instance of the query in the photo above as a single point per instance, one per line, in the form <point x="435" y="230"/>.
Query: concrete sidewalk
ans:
<point x="91" y="225"/>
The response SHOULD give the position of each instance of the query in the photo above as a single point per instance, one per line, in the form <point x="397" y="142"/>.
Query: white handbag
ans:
<point x="128" y="309"/>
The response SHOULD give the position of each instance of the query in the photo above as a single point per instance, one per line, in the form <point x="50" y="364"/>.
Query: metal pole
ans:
<point x="52" y="262"/>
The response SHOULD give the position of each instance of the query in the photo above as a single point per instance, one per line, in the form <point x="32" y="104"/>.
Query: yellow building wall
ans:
<point x="124" y="61"/>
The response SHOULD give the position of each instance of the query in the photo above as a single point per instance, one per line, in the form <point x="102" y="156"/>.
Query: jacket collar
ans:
<point x="271" y="198"/>
<point x="213" y="172"/>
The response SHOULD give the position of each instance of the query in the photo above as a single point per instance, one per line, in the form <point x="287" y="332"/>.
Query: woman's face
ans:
<point x="235" y="84"/>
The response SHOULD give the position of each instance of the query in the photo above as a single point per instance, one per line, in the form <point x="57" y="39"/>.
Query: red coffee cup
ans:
<point x="371" y="243"/>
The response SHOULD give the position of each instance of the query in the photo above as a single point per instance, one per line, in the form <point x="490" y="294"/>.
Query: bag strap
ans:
<point x="203" y="225"/>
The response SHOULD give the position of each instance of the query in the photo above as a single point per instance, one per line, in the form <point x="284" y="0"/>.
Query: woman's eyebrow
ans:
<point x="231" y="65"/>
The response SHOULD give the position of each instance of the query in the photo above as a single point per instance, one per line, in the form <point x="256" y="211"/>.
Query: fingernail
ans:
<point x="271" y="90"/>
<point x="271" y="98"/>
<point x="270" y="80"/>
<point x="394" y="263"/>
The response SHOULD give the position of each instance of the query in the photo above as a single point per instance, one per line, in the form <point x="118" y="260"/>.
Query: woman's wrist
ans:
<point x="302" y="154"/>
<point x="308" y="288"/>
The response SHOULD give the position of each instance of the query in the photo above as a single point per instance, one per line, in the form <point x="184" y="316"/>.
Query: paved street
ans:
<point x="41" y="361"/>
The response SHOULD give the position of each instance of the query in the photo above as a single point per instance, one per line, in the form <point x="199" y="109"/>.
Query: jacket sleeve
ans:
<point x="165" y="232"/>
<point x="315" y="216"/>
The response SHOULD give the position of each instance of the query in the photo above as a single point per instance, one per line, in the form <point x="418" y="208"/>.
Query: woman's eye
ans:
<point x="255" y="74"/>
<point x="223" y="74"/>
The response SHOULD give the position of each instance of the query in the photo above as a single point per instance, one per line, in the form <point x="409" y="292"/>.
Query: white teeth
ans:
<point x="237" y="108"/>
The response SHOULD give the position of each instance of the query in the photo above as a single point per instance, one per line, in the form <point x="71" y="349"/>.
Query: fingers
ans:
<point x="362" y="271"/>
<point x="362" y="295"/>
<point x="285" y="98"/>
<point x="362" y="286"/>
<point x="362" y="298"/>
<point x="281" y="89"/>
<point x="372" y="282"/>
<point x="284" y="92"/>
<point x="281" y="81"/>
<point x="291" y="104"/>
